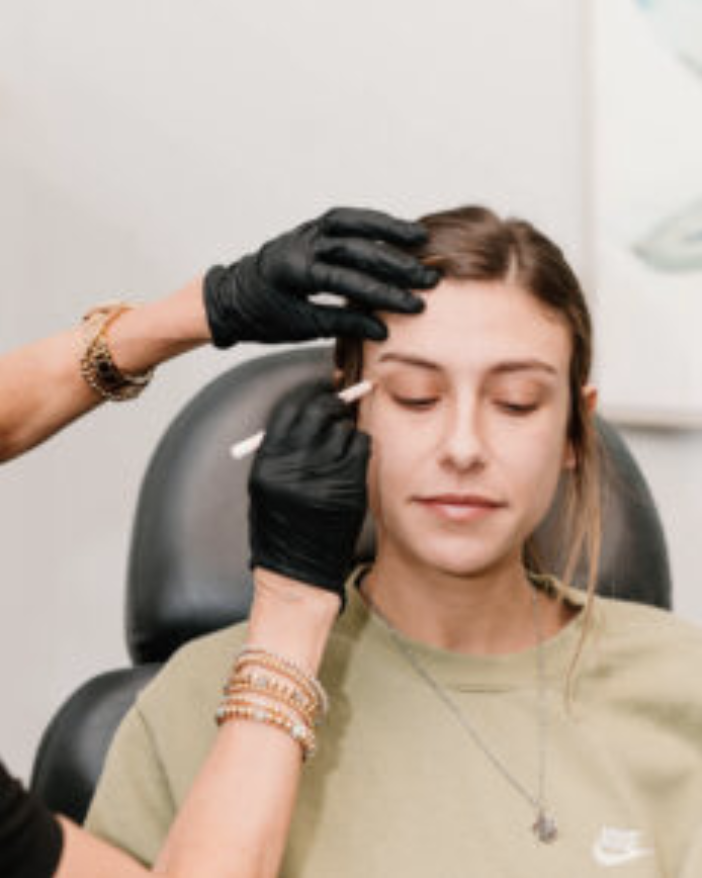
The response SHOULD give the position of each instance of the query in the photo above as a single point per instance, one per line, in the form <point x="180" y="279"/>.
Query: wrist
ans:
<point x="291" y="617"/>
<point x="218" y="305"/>
<point x="157" y="331"/>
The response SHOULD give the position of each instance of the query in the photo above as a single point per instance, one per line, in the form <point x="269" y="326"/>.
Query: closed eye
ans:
<point x="517" y="408"/>
<point x="415" y="402"/>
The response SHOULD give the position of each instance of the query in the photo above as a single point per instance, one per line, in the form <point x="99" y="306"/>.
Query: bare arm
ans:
<point x="255" y="299"/>
<point x="84" y="856"/>
<point x="41" y="386"/>
<point x="310" y="471"/>
<point x="235" y="821"/>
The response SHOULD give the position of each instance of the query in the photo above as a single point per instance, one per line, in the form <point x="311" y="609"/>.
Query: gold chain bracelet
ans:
<point x="96" y="364"/>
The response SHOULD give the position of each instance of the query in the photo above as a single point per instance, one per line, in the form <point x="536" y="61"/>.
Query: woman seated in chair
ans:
<point x="485" y="717"/>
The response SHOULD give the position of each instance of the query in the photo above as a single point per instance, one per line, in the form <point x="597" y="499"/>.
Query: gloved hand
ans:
<point x="308" y="490"/>
<point x="263" y="297"/>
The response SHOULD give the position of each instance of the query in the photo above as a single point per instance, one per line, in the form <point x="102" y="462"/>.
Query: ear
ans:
<point x="338" y="380"/>
<point x="591" y="396"/>
<point x="589" y="393"/>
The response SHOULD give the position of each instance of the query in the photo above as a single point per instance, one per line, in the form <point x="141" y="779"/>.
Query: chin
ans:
<point x="461" y="567"/>
<point x="458" y="557"/>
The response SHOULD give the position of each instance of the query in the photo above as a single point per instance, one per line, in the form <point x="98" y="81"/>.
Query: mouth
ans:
<point x="460" y="507"/>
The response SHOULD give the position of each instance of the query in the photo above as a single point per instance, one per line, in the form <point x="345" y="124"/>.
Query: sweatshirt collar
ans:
<point x="461" y="671"/>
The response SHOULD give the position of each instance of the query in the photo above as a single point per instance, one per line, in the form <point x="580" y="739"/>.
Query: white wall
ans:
<point x="140" y="141"/>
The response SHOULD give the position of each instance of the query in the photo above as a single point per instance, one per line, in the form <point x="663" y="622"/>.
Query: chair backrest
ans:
<point x="188" y="566"/>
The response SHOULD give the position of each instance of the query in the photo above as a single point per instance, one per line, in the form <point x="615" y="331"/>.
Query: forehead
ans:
<point x="475" y="325"/>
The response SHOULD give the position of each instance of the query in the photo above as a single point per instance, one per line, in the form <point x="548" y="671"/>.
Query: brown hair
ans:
<point x="473" y="243"/>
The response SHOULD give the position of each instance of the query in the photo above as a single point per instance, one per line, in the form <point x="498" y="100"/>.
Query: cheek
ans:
<point x="397" y="450"/>
<point x="385" y="422"/>
<point x="396" y="429"/>
<point x="533" y="466"/>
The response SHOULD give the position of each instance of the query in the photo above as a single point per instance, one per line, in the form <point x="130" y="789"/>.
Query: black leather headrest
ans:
<point x="633" y="561"/>
<point x="188" y="568"/>
<point x="73" y="747"/>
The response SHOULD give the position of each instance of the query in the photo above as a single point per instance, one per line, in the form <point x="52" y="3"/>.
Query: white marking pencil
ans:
<point x="248" y="446"/>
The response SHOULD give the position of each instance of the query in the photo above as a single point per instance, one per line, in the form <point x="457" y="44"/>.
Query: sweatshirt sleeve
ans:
<point x="31" y="840"/>
<point x="133" y="806"/>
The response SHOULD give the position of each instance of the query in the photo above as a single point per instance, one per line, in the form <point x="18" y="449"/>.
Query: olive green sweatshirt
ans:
<point x="399" y="788"/>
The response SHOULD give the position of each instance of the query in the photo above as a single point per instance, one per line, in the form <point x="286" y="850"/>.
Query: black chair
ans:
<point x="188" y="572"/>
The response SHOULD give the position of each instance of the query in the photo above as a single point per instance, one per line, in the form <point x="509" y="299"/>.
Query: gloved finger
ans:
<point x="363" y="290"/>
<point x="291" y="410"/>
<point x="331" y="321"/>
<point x="372" y="224"/>
<point x="359" y="448"/>
<point x="336" y="440"/>
<point x="372" y="257"/>
<point x="315" y="423"/>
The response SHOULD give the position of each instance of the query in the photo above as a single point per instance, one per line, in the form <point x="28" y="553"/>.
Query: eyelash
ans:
<point x="412" y="403"/>
<point x="422" y="404"/>
<point x="518" y="409"/>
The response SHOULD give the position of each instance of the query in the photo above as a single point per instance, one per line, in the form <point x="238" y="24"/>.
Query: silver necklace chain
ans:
<point x="544" y="827"/>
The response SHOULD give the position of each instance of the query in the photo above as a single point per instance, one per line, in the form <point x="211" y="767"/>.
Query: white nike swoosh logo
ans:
<point x="615" y="847"/>
<point x="617" y="858"/>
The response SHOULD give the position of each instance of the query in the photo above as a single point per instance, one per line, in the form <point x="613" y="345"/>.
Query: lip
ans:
<point x="460" y="507"/>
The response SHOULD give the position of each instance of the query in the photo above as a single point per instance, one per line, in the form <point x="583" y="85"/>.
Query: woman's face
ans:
<point x="468" y="421"/>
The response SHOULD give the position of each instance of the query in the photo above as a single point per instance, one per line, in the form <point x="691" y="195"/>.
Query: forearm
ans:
<point x="85" y="856"/>
<point x="41" y="386"/>
<point x="41" y="391"/>
<point x="235" y="821"/>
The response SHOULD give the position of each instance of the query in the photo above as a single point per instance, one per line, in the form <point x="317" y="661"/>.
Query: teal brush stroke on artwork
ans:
<point x="679" y="24"/>
<point x="675" y="244"/>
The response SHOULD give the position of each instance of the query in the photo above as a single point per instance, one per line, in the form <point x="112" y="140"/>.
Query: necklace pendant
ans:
<point x="545" y="828"/>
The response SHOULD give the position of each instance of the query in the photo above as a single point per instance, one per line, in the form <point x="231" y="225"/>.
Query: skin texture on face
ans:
<point x="468" y="422"/>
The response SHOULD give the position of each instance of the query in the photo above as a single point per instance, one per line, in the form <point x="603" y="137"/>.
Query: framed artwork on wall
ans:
<point x="646" y="90"/>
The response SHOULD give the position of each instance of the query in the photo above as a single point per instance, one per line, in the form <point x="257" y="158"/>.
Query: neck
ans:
<point x="489" y="613"/>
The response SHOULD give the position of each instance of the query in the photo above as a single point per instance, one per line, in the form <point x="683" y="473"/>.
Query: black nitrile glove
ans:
<point x="308" y="490"/>
<point x="348" y="252"/>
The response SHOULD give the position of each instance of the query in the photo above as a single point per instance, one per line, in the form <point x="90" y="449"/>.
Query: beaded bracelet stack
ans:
<point x="268" y="688"/>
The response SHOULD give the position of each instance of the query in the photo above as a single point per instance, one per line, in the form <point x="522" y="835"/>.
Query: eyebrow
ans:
<point x="524" y="366"/>
<point x="505" y="367"/>
<point x="409" y="360"/>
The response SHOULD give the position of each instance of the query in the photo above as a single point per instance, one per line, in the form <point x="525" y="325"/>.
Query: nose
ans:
<point x="463" y="445"/>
